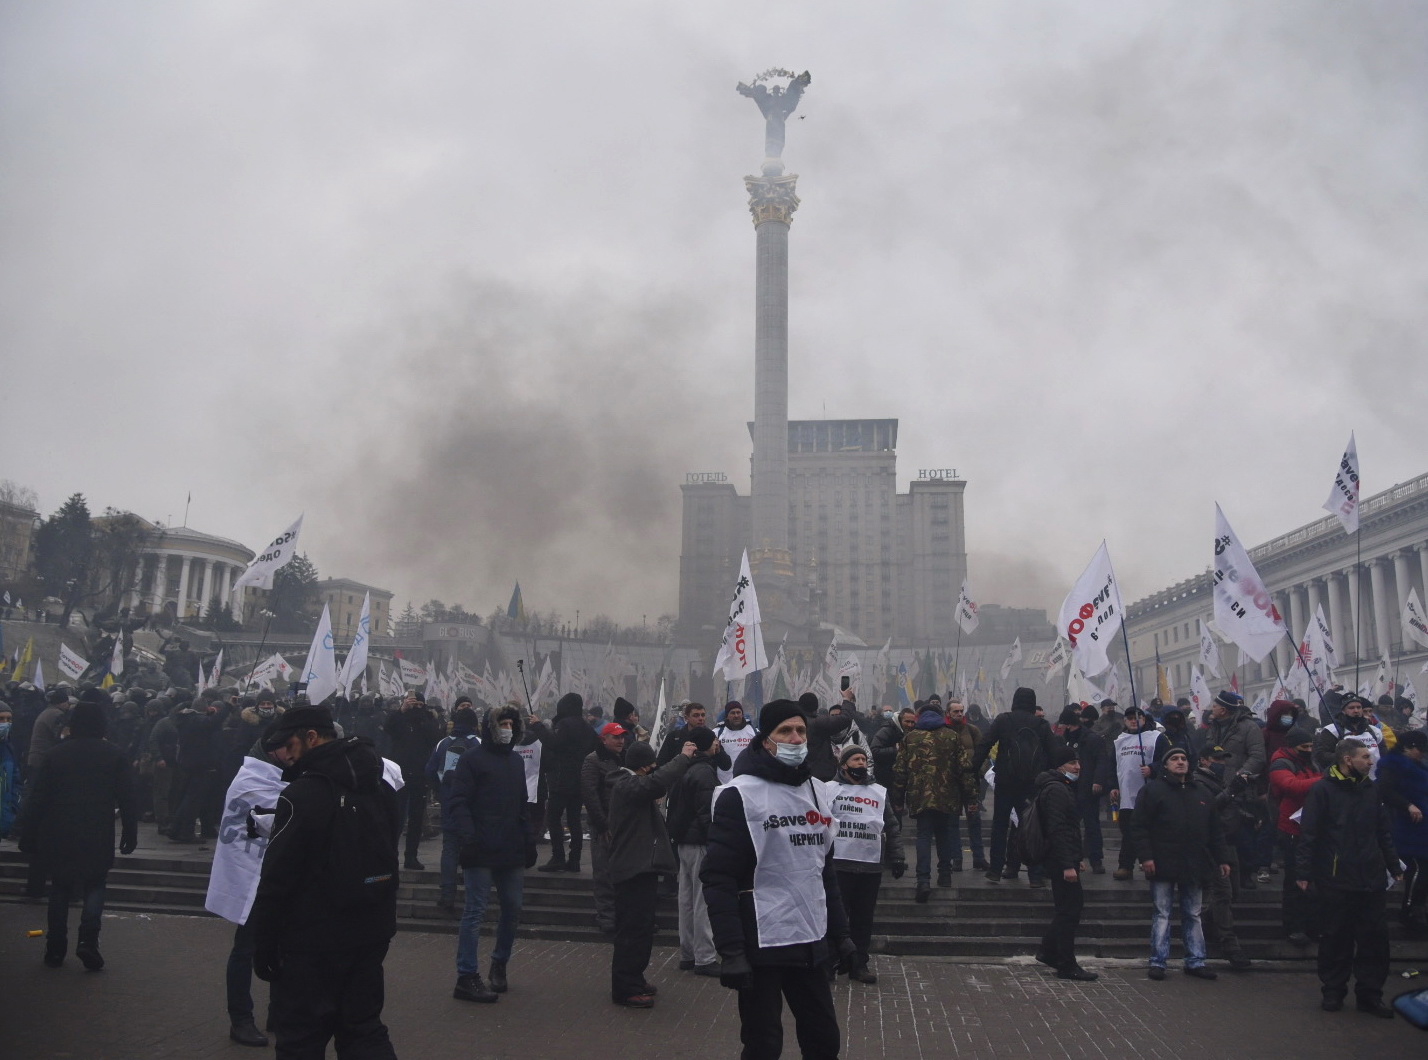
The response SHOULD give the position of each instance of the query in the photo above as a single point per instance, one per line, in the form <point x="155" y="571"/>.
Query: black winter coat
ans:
<point x="293" y="910"/>
<point x="728" y="874"/>
<point x="487" y="804"/>
<point x="1098" y="765"/>
<point x="673" y="743"/>
<point x="1344" y="836"/>
<point x="1176" y="825"/>
<point x="1060" y="820"/>
<point x="413" y="734"/>
<point x="566" y="744"/>
<point x="596" y="771"/>
<point x="1004" y="730"/>
<point x="884" y="743"/>
<point x="823" y="732"/>
<point x="639" y="841"/>
<point x="691" y="801"/>
<point x="68" y="820"/>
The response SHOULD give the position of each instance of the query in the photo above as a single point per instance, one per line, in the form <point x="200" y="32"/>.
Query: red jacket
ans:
<point x="1290" y="778"/>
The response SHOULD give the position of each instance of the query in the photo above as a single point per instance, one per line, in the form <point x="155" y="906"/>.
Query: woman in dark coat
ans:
<point x="69" y="825"/>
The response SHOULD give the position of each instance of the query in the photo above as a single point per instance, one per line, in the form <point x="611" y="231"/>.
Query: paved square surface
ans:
<point x="162" y="995"/>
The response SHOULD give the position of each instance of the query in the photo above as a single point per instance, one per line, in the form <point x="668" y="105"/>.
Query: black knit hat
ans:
<point x="807" y="705"/>
<point x="1024" y="699"/>
<point x="1063" y="754"/>
<point x="623" y="708"/>
<point x="776" y="713"/>
<point x="701" y="738"/>
<point x="850" y="751"/>
<point x="1069" y="716"/>
<point x="638" y="755"/>
<point x="88" y="719"/>
<point x="1298" y="737"/>
<point x="1171" y="751"/>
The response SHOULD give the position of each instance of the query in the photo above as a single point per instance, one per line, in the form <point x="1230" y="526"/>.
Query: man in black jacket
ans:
<point x="690" y="802"/>
<point x="595" y="772"/>
<point x="565" y="746"/>
<point x="639" y="853"/>
<point x="414" y="730"/>
<point x="1057" y="806"/>
<point x="323" y="956"/>
<point x="1024" y="745"/>
<point x="1346" y="850"/>
<point x="1096" y="775"/>
<point x="772" y="891"/>
<point x="1180" y="844"/>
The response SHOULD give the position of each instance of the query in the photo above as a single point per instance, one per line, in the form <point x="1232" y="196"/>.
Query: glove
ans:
<point x="846" y="952"/>
<point x="532" y="856"/>
<point x="898" y="868"/>
<point x="127" y="844"/>
<point x="267" y="961"/>
<point x="735" y="973"/>
<point x="467" y="858"/>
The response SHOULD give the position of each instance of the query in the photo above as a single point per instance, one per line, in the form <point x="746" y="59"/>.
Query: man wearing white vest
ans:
<point x="772" y="892"/>
<point x="1135" y="752"/>
<point x="868" y="835"/>
<point x="734" y="734"/>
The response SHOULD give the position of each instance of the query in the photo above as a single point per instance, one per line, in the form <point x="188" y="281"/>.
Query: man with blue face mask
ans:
<point x="772" y="892"/>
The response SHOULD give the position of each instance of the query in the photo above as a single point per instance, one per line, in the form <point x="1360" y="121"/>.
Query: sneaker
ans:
<point x="414" y="865"/>
<point x="638" y="1001"/>
<point x="1122" y="874"/>
<point x="1077" y="973"/>
<point x="247" y="1033"/>
<point x="89" y="956"/>
<point x="711" y="970"/>
<point x="470" y="988"/>
<point x="54" y="959"/>
<point x="1008" y="874"/>
<point x="992" y="876"/>
<point x="1155" y="972"/>
<point x="980" y="864"/>
<point x="1331" y="1004"/>
<point x="1380" y="1008"/>
<point x="1298" y="938"/>
<point x="687" y="966"/>
<point x="1042" y="957"/>
<point x="1239" y="962"/>
<point x="1201" y="972"/>
<point x="863" y="975"/>
<point x="1036" y="884"/>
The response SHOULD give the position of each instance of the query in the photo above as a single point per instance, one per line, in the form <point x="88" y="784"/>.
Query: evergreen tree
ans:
<point x="64" y="553"/>
<point x="293" y="595"/>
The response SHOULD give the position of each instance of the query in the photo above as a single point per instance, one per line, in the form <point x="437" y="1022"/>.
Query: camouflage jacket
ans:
<point x="933" y="771"/>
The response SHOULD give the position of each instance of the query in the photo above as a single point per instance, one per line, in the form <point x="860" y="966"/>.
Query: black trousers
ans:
<point x="335" y="996"/>
<point x="564" y="805"/>
<point x="634" y="934"/>
<point x="1220" y="894"/>
<point x="1126" y="858"/>
<point x="1299" y="909"/>
<point x="413" y="799"/>
<point x="1059" y="942"/>
<point x="810" y="999"/>
<point x="1355" y="939"/>
<point x="1415" y="886"/>
<point x="860" y="902"/>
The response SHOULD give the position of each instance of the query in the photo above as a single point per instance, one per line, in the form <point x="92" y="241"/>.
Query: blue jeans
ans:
<point x="1162" y="893"/>
<point x="509" y="888"/>
<point x="934" y="824"/>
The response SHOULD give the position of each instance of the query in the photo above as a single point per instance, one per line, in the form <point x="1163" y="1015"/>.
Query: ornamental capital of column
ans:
<point x="772" y="198"/>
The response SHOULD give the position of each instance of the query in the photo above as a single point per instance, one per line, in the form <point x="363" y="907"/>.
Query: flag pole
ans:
<point x="521" y="669"/>
<point x="1359" y="596"/>
<point x="1299" y="654"/>
<point x="1135" y="699"/>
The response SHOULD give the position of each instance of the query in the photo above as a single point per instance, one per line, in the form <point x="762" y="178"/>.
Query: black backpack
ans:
<point x="1020" y="757"/>
<point x="1030" y="842"/>
<point x="361" y="862"/>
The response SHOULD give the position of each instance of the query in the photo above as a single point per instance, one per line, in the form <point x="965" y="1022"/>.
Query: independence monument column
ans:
<point x="772" y="201"/>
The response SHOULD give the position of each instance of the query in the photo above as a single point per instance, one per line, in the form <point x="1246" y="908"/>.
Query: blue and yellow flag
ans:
<point x="517" y="607"/>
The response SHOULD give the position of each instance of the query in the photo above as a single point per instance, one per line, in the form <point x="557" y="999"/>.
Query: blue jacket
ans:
<point x="440" y="773"/>
<point x="1403" y="782"/>
<point x="9" y="787"/>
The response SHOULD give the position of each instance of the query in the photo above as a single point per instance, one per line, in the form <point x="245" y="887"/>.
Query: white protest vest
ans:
<point x="858" y="811"/>
<point x="530" y="758"/>
<point x="792" y="833"/>
<point x="1133" y="750"/>
<point x="1371" y="738"/>
<point x="733" y="741"/>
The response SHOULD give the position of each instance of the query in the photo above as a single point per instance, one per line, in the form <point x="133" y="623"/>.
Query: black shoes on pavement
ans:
<point x="1202" y="972"/>
<point x="863" y="975"/>
<point x="247" y="1033"/>
<point x="923" y="891"/>
<point x="88" y="953"/>
<point x="497" y="978"/>
<point x="553" y="865"/>
<point x="944" y="879"/>
<point x="470" y="988"/>
<point x="413" y="864"/>
<point x="1077" y="974"/>
<point x="1155" y="972"/>
<point x="1380" y="1008"/>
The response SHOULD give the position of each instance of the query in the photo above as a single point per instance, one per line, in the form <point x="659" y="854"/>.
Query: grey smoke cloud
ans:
<point x="473" y="286"/>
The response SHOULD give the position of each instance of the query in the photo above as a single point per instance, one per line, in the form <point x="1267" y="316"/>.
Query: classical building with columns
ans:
<point x="185" y="570"/>
<point x="1311" y="567"/>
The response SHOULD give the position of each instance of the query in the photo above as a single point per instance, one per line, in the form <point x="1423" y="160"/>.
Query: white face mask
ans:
<point x="791" y="754"/>
<point x="1070" y="776"/>
<point x="503" y="735"/>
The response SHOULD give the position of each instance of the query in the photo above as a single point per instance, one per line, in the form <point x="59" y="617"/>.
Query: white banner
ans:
<point x="1261" y="707"/>
<point x="1200" y="698"/>
<point x="1410" y="693"/>
<point x="320" y="671"/>
<point x="411" y="673"/>
<point x="742" y="651"/>
<point x="1414" y="626"/>
<point x="1057" y="658"/>
<point x="71" y="664"/>
<point x="116" y="661"/>
<point x="1244" y="610"/>
<point x="260" y="572"/>
<point x="1013" y="657"/>
<point x="967" y="617"/>
<point x="1091" y="614"/>
<point x="355" y="665"/>
<point x="1326" y="638"/>
<point x="1209" y="652"/>
<point x="1344" y="496"/>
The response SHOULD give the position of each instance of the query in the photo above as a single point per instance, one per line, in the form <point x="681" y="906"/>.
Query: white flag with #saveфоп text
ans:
<point x="1091" y="614"/>
<point x="1209" y="652"/>
<point x="967" y="617"/>
<point x="278" y="554"/>
<point x="1415" y="627"/>
<point x="71" y="664"/>
<point x="1013" y="657"/>
<point x="742" y="650"/>
<point x="1344" y="496"/>
<point x="1244" y="609"/>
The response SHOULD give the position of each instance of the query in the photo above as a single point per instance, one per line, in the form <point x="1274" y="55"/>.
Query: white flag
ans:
<point x="320" y="671"/>
<point x="217" y="672"/>
<point x="661" y="720"/>
<point x="202" y="685"/>
<point x="1057" y="658"/>
<point x="1013" y="657"/>
<point x="1244" y="610"/>
<point x="260" y="572"/>
<point x="412" y="674"/>
<point x="967" y="617"/>
<point x="355" y="664"/>
<point x="1344" y="497"/>
<point x="1261" y="707"/>
<point x="1325" y="638"/>
<point x="1209" y="652"/>
<point x="1200" y="698"/>
<point x="70" y="663"/>
<point x="1409" y="692"/>
<point x="39" y="681"/>
<point x="742" y="650"/>
<point x="1091" y="614"/>
<point x="1414" y="626"/>
<point x="1383" y="683"/>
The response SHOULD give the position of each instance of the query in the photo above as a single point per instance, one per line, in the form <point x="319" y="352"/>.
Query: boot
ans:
<point x="54" y="952"/>
<point x="470" y="988"/>
<point x="573" y="865"/>
<point x="555" y="864"/>
<point x="923" y="891"/>
<point x="446" y="904"/>
<point x="247" y="1033"/>
<point x="863" y="974"/>
<point x="944" y="879"/>
<point x="497" y="978"/>
<point x="88" y="951"/>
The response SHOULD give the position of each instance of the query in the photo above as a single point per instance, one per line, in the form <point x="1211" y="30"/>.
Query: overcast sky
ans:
<point x="472" y="285"/>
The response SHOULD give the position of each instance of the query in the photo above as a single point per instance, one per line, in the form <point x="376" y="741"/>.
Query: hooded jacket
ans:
<point x="1060" y="820"/>
<point x="487" y="804"/>
<point x="883" y="744"/>
<point x="1008" y="728"/>
<point x="1175" y="825"/>
<point x="566" y="744"/>
<point x="691" y="801"/>
<point x="728" y="873"/>
<point x="1275" y="726"/>
<point x="1098" y="765"/>
<point x="1345" y="841"/>
<point x="1238" y="734"/>
<point x="639" y="841"/>
<point x="1290" y="778"/>
<point x="293" y="909"/>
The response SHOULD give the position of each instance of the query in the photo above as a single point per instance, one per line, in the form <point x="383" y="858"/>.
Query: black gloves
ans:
<point x="898" y="868"/>
<point x="267" y="961"/>
<point x="467" y="858"/>
<point x="532" y="856"/>
<point x="735" y="973"/>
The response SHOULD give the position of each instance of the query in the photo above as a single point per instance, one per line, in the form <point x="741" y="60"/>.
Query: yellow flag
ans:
<point x="26" y="658"/>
